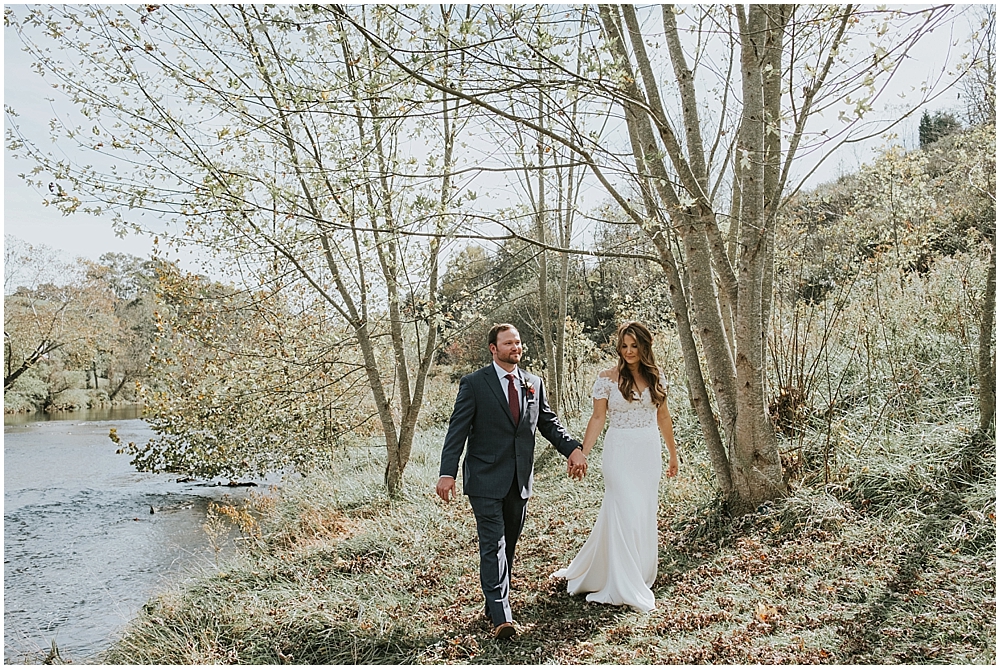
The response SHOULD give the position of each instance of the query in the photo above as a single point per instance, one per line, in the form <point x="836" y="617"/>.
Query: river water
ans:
<point x="82" y="550"/>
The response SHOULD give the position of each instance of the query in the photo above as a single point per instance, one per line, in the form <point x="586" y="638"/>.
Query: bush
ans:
<point x="15" y="402"/>
<point x="72" y="399"/>
<point x="28" y="393"/>
<point x="98" y="398"/>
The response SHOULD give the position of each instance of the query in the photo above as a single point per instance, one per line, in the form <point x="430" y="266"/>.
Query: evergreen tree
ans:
<point x="935" y="126"/>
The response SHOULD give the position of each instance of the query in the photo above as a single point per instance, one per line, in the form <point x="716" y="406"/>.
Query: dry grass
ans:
<point x="341" y="575"/>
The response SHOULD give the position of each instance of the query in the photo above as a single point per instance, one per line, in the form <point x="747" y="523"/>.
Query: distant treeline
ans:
<point x="76" y="334"/>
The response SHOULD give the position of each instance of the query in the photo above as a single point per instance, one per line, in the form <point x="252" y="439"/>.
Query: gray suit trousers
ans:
<point x="498" y="523"/>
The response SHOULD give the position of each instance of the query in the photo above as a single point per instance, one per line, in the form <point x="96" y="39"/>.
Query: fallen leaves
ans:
<point x="619" y="634"/>
<point x="756" y="597"/>
<point x="686" y="620"/>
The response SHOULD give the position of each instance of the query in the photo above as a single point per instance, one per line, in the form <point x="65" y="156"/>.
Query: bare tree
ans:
<point x="551" y="180"/>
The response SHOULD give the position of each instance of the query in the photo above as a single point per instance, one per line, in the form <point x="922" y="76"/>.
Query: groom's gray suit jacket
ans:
<point x="496" y="447"/>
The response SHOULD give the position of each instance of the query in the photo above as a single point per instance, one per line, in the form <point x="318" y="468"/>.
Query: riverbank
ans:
<point x="896" y="563"/>
<point x="87" y="539"/>
<point x="123" y="411"/>
<point x="14" y="404"/>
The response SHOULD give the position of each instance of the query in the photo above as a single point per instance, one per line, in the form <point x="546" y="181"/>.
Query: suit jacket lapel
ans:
<point x="522" y="391"/>
<point x="497" y="385"/>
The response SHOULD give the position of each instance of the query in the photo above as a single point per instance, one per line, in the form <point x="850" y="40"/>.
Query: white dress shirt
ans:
<point x="504" y="381"/>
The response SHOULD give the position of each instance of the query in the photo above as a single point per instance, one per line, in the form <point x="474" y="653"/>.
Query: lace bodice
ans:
<point x="622" y="413"/>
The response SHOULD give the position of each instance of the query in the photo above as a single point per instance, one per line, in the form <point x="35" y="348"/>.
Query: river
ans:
<point x="87" y="539"/>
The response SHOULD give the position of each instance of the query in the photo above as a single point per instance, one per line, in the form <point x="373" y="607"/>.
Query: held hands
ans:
<point x="576" y="465"/>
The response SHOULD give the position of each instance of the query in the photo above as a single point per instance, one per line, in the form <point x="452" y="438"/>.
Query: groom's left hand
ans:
<point x="576" y="465"/>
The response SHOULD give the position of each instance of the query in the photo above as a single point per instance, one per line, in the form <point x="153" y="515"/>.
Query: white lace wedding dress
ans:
<point x="617" y="564"/>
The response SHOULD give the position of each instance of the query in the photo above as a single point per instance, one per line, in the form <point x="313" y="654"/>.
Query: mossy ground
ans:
<point x="883" y="570"/>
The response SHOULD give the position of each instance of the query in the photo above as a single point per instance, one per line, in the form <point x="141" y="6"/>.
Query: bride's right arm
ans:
<point x="595" y="424"/>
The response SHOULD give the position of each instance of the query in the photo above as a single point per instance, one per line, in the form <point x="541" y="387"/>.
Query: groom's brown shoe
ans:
<point x="504" y="631"/>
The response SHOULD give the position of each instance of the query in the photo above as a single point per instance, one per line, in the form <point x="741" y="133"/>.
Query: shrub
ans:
<point x="72" y="399"/>
<point x="28" y="393"/>
<point x="15" y="402"/>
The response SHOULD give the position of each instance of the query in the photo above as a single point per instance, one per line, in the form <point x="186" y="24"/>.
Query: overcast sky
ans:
<point x="24" y="215"/>
<point x="82" y="235"/>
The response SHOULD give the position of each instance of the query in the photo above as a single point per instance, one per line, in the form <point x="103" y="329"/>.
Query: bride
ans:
<point x="617" y="564"/>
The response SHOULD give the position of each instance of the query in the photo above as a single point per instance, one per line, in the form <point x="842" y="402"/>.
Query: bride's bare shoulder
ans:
<point x="609" y="374"/>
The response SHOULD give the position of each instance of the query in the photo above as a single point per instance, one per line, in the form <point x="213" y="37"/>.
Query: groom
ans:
<point x="497" y="410"/>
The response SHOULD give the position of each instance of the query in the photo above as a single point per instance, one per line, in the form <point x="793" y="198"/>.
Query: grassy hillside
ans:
<point x="895" y="563"/>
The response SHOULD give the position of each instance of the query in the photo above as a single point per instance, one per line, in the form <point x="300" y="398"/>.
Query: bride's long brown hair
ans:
<point x="647" y="364"/>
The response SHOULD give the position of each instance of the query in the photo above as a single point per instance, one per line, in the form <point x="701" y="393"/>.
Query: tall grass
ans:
<point x="894" y="563"/>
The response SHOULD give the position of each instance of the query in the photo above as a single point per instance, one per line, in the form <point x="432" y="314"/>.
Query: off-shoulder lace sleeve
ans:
<point x="602" y="388"/>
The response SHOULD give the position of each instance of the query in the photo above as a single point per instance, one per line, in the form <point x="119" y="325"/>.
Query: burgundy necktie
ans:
<point x="515" y="405"/>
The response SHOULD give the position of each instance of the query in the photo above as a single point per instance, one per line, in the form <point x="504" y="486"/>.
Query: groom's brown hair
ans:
<point x="497" y="329"/>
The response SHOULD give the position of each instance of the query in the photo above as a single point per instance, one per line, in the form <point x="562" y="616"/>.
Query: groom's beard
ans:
<point x="510" y="358"/>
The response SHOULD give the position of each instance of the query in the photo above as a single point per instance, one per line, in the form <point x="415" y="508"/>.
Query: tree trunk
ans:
<point x="987" y="371"/>
<point x="118" y="388"/>
<point x="541" y="228"/>
<point x="735" y="355"/>
<point x="544" y="316"/>
<point x="9" y="379"/>
<point x="565" y="238"/>
<point x="757" y="474"/>
<point x="568" y="193"/>
<point x="702" y="297"/>
<point x="408" y="424"/>
<point x="40" y="351"/>
<point x="697" y="392"/>
<point x="692" y="221"/>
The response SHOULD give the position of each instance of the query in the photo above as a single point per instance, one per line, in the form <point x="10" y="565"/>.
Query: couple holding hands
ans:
<point x="498" y="410"/>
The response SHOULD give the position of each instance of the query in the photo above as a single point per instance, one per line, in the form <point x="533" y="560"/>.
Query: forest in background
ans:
<point x="77" y="334"/>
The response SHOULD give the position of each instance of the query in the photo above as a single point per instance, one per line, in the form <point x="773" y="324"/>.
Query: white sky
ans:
<point x="82" y="235"/>
<point x="24" y="216"/>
